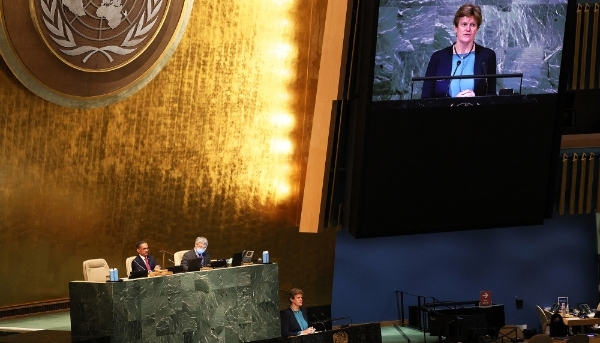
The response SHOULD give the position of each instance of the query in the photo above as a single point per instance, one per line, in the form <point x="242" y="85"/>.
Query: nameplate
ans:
<point x="159" y="273"/>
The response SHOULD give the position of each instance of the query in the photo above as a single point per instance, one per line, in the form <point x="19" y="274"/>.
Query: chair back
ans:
<point x="178" y="256"/>
<point x="578" y="339"/>
<point x="510" y="334"/>
<point x="544" y="320"/>
<point x="540" y="338"/>
<point x="95" y="270"/>
<point x="128" y="263"/>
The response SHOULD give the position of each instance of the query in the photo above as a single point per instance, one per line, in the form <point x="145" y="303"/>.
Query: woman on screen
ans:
<point x="463" y="57"/>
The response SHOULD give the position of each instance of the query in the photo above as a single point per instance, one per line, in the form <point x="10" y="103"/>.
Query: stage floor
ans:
<point x="56" y="328"/>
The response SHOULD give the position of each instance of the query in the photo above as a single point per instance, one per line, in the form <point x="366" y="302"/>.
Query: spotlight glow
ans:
<point x="268" y="66"/>
<point x="281" y="146"/>
<point x="282" y="120"/>
<point x="282" y="50"/>
<point x="284" y="73"/>
<point x="282" y="188"/>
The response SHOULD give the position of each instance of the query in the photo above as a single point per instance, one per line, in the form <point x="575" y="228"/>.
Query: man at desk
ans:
<point x="199" y="251"/>
<point x="143" y="261"/>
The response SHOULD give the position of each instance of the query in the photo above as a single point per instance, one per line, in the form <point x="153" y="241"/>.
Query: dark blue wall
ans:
<point x="535" y="263"/>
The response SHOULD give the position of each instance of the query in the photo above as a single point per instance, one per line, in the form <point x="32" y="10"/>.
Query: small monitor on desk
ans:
<point x="218" y="263"/>
<point x="242" y="257"/>
<point x="194" y="265"/>
<point x="175" y="269"/>
<point x="138" y="274"/>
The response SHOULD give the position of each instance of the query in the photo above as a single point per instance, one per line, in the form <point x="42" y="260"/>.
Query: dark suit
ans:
<point x="191" y="255"/>
<point x="289" y="324"/>
<point x="440" y="64"/>
<point x="138" y="264"/>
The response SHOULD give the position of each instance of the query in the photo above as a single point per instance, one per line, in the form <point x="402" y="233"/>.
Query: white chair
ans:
<point x="509" y="334"/>
<point x="128" y="262"/>
<point x="540" y="338"/>
<point x="544" y="321"/>
<point x="178" y="256"/>
<point x="95" y="270"/>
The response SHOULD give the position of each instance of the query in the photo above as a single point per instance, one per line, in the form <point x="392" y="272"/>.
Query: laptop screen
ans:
<point x="195" y="265"/>
<point x="138" y="274"/>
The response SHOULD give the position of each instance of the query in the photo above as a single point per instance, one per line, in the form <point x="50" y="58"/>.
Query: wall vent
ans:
<point x="34" y="308"/>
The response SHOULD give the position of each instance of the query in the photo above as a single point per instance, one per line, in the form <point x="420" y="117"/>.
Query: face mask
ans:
<point x="200" y="250"/>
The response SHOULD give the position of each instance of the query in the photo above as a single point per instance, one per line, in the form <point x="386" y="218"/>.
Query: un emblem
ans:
<point x="98" y="35"/>
<point x="90" y="53"/>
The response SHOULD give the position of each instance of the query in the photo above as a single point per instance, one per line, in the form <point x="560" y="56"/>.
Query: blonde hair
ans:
<point x="293" y="292"/>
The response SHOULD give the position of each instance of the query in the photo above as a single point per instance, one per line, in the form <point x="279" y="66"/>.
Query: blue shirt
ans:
<point x="301" y="321"/>
<point x="466" y="67"/>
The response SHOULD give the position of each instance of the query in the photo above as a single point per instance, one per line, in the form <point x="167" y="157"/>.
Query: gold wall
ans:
<point x="216" y="145"/>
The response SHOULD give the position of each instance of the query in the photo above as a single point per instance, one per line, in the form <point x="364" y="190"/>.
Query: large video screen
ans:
<point x="526" y="36"/>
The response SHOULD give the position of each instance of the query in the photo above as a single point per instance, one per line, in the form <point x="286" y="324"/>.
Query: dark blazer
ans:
<point x="138" y="264"/>
<point x="440" y="64"/>
<point x="191" y="255"/>
<point x="557" y="327"/>
<point x="289" y="324"/>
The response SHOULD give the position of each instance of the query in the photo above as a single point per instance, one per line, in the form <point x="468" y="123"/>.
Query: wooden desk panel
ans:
<point x="575" y="321"/>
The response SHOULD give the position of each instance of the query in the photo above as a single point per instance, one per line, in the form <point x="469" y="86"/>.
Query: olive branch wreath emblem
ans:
<point x="63" y="36"/>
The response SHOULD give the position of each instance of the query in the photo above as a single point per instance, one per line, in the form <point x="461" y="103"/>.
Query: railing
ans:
<point x="421" y="307"/>
<point x="425" y="304"/>
<point x="460" y="77"/>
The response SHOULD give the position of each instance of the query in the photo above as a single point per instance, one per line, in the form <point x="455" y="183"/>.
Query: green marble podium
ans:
<point x="236" y="304"/>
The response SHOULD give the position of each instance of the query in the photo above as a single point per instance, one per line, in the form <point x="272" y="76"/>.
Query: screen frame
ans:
<point x="439" y="44"/>
<point x="360" y="108"/>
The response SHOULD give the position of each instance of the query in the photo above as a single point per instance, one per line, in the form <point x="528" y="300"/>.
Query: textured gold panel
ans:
<point x="215" y="145"/>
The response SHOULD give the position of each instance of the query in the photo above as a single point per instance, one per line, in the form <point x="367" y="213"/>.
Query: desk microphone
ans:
<point x="486" y="80"/>
<point x="328" y="319"/>
<point x="455" y="69"/>
<point x="139" y="265"/>
<point x="324" y="315"/>
<point x="319" y="321"/>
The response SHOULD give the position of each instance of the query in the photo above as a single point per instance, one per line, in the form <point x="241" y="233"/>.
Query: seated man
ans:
<point x="199" y="251"/>
<point x="143" y="261"/>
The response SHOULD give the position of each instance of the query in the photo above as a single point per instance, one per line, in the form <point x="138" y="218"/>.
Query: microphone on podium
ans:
<point x="319" y="321"/>
<point x="454" y="73"/>
<point x="139" y="265"/>
<point x="486" y="80"/>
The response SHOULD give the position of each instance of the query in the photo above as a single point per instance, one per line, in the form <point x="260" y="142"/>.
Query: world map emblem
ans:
<point x="98" y="35"/>
<point x="90" y="53"/>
